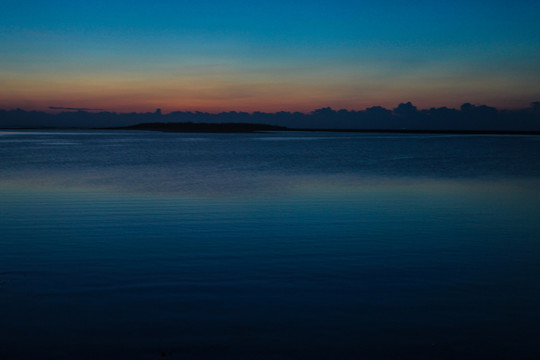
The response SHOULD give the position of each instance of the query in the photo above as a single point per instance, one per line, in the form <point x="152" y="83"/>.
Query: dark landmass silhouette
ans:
<point x="203" y="127"/>
<point x="189" y="127"/>
<point x="404" y="118"/>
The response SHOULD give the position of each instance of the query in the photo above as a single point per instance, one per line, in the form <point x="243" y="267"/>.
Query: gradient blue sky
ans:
<point x="267" y="55"/>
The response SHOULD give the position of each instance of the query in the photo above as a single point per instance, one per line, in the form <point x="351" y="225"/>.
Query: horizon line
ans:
<point x="534" y="105"/>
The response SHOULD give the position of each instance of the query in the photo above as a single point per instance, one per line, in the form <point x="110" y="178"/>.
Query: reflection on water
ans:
<point x="144" y="245"/>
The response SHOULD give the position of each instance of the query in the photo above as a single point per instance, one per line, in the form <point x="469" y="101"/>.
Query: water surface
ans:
<point x="146" y="245"/>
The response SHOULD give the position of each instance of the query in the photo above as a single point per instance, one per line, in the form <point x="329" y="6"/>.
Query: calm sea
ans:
<point x="146" y="245"/>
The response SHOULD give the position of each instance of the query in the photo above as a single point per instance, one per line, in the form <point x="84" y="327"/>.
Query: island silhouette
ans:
<point x="405" y="117"/>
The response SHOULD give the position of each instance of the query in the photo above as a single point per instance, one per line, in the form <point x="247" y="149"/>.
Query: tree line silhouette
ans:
<point x="405" y="116"/>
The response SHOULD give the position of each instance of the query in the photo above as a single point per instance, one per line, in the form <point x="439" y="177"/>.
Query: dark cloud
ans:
<point x="73" y="109"/>
<point x="405" y="117"/>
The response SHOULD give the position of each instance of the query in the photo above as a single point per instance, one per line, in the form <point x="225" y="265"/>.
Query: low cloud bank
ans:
<point x="404" y="117"/>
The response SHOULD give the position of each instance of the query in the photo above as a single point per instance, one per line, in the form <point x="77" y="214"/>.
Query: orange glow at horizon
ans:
<point x="219" y="92"/>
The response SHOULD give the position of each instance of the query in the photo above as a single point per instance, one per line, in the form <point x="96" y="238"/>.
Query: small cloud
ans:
<point x="73" y="109"/>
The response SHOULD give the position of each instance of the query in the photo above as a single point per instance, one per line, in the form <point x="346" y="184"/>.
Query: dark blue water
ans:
<point x="144" y="245"/>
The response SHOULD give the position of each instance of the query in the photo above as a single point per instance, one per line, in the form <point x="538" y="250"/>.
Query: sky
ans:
<point x="267" y="55"/>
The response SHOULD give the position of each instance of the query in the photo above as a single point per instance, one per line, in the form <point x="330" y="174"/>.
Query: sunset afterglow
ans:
<point x="267" y="56"/>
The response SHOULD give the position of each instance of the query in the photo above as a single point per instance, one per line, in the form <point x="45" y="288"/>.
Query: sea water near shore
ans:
<point x="142" y="245"/>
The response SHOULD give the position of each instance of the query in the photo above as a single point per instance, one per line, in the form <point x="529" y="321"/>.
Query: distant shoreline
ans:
<point x="405" y="118"/>
<point x="410" y="131"/>
<point x="189" y="127"/>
